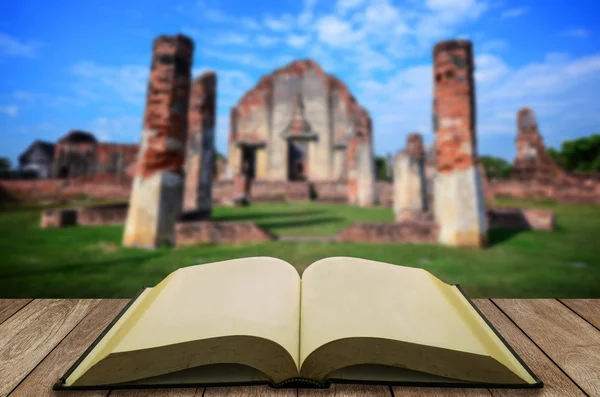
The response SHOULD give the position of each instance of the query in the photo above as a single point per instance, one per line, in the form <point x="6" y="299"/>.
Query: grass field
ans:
<point x="90" y="262"/>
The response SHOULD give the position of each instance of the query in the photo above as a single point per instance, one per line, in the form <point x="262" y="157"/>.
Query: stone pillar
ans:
<point x="459" y="203"/>
<point x="156" y="196"/>
<point x="365" y="175"/>
<point x="410" y="192"/>
<point x="197" y="200"/>
<point x="352" y="180"/>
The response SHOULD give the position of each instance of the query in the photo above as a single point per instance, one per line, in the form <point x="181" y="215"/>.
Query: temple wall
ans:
<point x="316" y="103"/>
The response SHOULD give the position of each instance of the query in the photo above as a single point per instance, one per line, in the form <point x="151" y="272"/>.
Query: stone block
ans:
<point x="390" y="233"/>
<point x="214" y="232"/>
<point x="58" y="218"/>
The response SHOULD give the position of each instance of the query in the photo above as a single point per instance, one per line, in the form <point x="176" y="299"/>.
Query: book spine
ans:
<point x="301" y="382"/>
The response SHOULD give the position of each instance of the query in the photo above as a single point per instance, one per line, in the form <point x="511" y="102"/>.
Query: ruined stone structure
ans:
<point x="410" y="190"/>
<point x="532" y="161"/>
<point x="79" y="154"/>
<point x="298" y="123"/>
<point x="459" y="202"/>
<point x="156" y="197"/>
<point x="200" y="156"/>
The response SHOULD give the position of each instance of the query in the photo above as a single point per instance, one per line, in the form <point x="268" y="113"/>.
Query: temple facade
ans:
<point x="299" y="124"/>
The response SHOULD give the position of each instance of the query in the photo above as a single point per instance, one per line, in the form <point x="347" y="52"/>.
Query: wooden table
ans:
<point x="559" y="339"/>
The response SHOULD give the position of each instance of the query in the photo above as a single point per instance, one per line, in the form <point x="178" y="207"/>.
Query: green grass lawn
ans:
<point x="90" y="262"/>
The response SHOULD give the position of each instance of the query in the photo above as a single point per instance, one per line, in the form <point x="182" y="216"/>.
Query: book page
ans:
<point x="257" y="296"/>
<point x="348" y="297"/>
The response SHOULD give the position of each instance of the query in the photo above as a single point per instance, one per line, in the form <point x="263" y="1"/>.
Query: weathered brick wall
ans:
<point x="58" y="218"/>
<point x="578" y="193"/>
<point x="385" y="193"/>
<point x="521" y="219"/>
<point x="187" y="233"/>
<point x="199" y="161"/>
<point x="222" y="192"/>
<point x="114" y="214"/>
<point x="107" y="188"/>
<point x="115" y="158"/>
<point x="273" y="191"/>
<point x="331" y="191"/>
<point x="390" y="233"/>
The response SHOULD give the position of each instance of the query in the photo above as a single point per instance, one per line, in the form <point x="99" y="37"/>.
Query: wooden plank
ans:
<point x="28" y="336"/>
<point x="8" y="307"/>
<point x="439" y="392"/>
<point x="348" y="391"/>
<point x="249" y="391"/>
<point x="157" y="393"/>
<point x="589" y="309"/>
<point x="556" y="383"/>
<point x="570" y="341"/>
<point x="39" y="382"/>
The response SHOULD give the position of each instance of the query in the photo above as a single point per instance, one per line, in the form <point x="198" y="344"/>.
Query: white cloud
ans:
<point x="494" y="45"/>
<point x="206" y="13"/>
<point x="346" y="5"/>
<point x="337" y="32"/>
<point x="12" y="46"/>
<point x="230" y="38"/>
<point x="514" y="12"/>
<point x="579" y="33"/>
<point x="122" y="128"/>
<point x="306" y="16"/>
<point x="266" y="41"/>
<point x="489" y="69"/>
<point x="254" y="60"/>
<point x="9" y="110"/>
<point x="284" y="23"/>
<point x="297" y="41"/>
<point x="128" y="82"/>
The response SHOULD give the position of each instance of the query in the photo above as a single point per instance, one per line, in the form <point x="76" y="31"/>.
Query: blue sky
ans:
<point x="84" y="64"/>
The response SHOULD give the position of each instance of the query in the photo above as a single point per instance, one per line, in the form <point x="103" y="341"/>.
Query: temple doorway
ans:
<point x="249" y="162"/>
<point x="297" y="155"/>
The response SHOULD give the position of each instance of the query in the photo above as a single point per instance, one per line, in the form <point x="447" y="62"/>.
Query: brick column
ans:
<point x="459" y="204"/>
<point x="197" y="200"/>
<point x="410" y="193"/>
<point x="156" y="195"/>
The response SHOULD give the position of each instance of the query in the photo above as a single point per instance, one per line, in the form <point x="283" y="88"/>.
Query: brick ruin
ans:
<point x="444" y="181"/>
<point x="410" y="185"/>
<point x="301" y="124"/>
<point x="535" y="175"/>
<point x="156" y="196"/>
<point x="79" y="154"/>
<point x="459" y="202"/>
<point x="532" y="161"/>
<point x="200" y="145"/>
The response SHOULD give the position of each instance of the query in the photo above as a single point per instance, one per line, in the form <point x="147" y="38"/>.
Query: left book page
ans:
<point x="202" y="315"/>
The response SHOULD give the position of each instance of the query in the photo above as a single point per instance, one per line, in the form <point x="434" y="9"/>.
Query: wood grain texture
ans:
<point x="249" y="391"/>
<point x="556" y="383"/>
<point x="439" y="392"/>
<point x="8" y="307"/>
<point x="39" y="382"/>
<point x="347" y="391"/>
<point x="28" y="336"/>
<point x="566" y="338"/>
<point x="191" y="392"/>
<point x="589" y="309"/>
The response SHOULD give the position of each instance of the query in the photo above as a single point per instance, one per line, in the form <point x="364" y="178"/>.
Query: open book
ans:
<point x="255" y="321"/>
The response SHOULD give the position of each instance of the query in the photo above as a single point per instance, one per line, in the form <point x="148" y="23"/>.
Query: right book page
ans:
<point x="356" y="311"/>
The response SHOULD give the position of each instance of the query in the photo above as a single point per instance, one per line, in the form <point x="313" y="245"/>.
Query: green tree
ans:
<point x="5" y="164"/>
<point x="495" y="167"/>
<point x="581" y="154"/>
<point x="556" y="156"/>
<point x="380" y="168"/>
